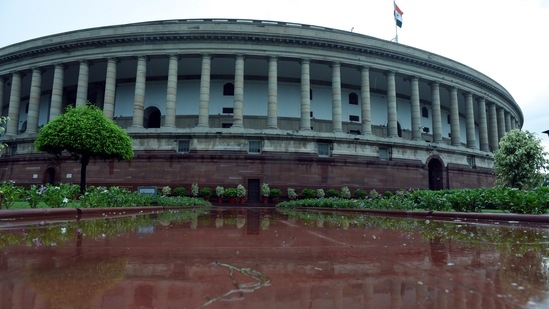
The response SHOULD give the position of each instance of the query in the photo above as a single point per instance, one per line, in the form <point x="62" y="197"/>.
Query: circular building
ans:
<point x="226" y="102"/>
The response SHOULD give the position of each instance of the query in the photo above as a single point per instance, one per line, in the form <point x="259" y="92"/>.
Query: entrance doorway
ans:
<point x="436" y="181"/>
<point x="151" y="117"/>
<point x="49" y="176"/>
<point x="253" y="191"/>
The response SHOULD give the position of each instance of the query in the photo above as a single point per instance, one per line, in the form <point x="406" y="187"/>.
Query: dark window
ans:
<point x="354" y="118"/>
<point x="424" y="112"/>
<point x="228" y="89"/>
<point x="311" y="114"/>
<point x="353" y="98"/>
<point x="228" y="110"/>
<point x="324" y="149"/>
<point x="226" y="125"/>
<point x="354" y="132"/>
<point x="448" y="119"/>
<point x="254" y="146"/>
<point x="183" y="146"/>
<point x="310" y="94"/>
<point x="383" y="153"/>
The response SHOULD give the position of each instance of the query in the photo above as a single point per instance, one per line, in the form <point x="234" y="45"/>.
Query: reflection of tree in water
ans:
<point x="74" y="282"/>
<point x="524" y="267"/>
<point x="439" y="254"/>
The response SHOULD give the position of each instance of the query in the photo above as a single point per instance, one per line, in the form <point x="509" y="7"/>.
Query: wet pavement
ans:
<point x="264" y="258"/>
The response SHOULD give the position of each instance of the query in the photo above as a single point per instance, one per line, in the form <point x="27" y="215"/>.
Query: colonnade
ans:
<point x="493" y="120"/>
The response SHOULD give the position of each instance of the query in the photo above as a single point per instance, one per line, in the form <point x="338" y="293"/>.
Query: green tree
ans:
<point x="85" y="133"/>
<point x="520" y="160"/>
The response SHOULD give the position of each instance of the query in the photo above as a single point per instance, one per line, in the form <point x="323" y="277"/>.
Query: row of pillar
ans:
<point x="492" y="126"/>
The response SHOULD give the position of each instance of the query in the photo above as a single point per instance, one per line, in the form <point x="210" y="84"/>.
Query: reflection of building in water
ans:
<point x="309" y="268"/>
<point x="224" y="102"/>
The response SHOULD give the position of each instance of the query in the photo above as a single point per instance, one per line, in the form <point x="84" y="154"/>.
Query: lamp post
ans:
<point x="546" y="132"/>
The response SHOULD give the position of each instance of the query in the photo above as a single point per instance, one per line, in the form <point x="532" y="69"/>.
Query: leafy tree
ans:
<point x="85" y="133"/>
<point x="520" y="160"/>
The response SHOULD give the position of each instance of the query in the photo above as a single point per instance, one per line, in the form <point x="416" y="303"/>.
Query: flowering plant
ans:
<point x="291" y="194"/>
<point x="265" y="190"/>
<point x="194" y="189"/>
<point x="219" y="190"/>
<point x="345" y="192"/>
<point x="166" y="190"/>
<point x="320" y="193"/>
<point x="240" y="191"/>
<point x="34" y="195"/>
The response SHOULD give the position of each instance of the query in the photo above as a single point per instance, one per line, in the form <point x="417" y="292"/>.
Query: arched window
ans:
<point x="228" y="89"/>
<point x="151" y="117"/>
<point x="424" y="112"/>
<point x="353" y="98"/>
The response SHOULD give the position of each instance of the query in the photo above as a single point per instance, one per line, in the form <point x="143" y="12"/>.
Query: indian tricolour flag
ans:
<point x="398" y="16"/>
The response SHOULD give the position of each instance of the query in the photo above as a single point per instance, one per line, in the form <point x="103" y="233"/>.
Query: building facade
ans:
<point x="227" y="102"/>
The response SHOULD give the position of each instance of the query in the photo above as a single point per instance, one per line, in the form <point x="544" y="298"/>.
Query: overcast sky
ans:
<point x="504" y="39"/>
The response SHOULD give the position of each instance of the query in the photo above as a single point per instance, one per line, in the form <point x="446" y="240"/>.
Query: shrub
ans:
<point x="320" y="193"/>
<point x="240" y="191"/>
<point x="332" y="193"/>
<point x="206" y="192"/>
<point x="194" y="189"/>
<point x="292" y="195"/>
<point x="308" y="193"/>
<point x="10" y="193"/>
<point x="345" y="192"/>
<point x="180" y="191"/>
<point x="360" y="194"/>
<point x="265" y="190"/>
<point x="275" y="193"/>
<point x="166" y="190"/>
<point x="230" y="192"/>
<point x="219" y="190"/>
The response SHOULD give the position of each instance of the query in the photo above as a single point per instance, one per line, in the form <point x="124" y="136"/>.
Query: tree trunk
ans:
<point x="84" y="164"/>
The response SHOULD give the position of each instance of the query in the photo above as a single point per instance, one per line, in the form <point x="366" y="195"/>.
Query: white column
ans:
<point x="110" y="88"/>
<point x="82" y="90"/>
<point x="15" y="101"/>
<point x="470" y="121"/>
<point x="454" y="118"/>
<point x="139" y="94"/>
<point x="238" y="112"/>
<point x="171" y="91"/>
<point x="508" y="122"/>
<point x="272" y="108"/>
<point x="493" y="125"/>
<point x="305" y="124"/>
<point x="203" y="114"/>
<point x="34" y="101"/>
<point x="366" y="101"/>
<point x="336" y="97"/>
<point x="391" y="105"/>
<point x="416" y="110"/>
<point x="437" y="122"/>
<point x="483" y="125"/>
<point x="501" y="123"/>
<point x="2" y="81"/>
<point x="57" y="91"/>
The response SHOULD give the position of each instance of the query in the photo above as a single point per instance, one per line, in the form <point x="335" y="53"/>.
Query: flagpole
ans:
<point x="396" y="27"/>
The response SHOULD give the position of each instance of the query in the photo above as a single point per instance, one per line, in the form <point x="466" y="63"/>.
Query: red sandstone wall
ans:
<point x="228" y="169"/>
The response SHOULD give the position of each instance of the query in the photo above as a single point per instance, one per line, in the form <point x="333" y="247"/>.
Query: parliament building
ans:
<point x="222" y="102"/>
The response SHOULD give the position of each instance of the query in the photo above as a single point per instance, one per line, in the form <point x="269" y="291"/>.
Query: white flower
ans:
<point x="65" y="200"/>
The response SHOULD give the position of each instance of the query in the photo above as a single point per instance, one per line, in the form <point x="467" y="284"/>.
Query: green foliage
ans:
<point x="308" y="193"/>
<point x="180" y="191"/>
<point x="275" y="193"/>
<point x="206" y="192"/>
<point x="85" y="131"/>
<point x="360" y="194"/>
<point x="230" y="192"/>
<point x="59" y="196"/>
<point x="10" y="193"/>
<point x="332" y="193"/>
<point x="520" y="160"/>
